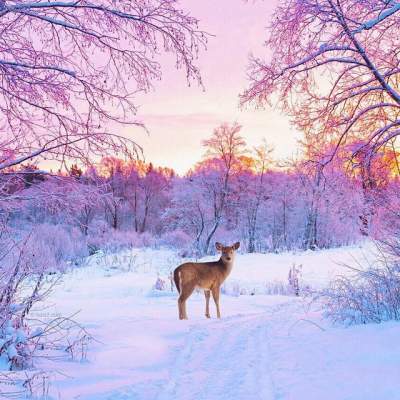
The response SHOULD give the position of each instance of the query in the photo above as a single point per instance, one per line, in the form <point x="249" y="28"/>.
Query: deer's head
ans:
<point x="227" y="252"/>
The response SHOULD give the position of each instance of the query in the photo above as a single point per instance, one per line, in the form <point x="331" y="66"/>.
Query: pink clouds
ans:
<point x="182" y="120"/>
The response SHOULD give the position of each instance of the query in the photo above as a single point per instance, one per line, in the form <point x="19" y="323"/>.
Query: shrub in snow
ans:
<point x="237" y="288"/>
<point x="102" y="237"/>
<point x="56" y="244"/>
<point x="160" y="284"/>
<point x="278" y="288"/>
<point x="145" y="239"/>
<point x="97" y="236"/>
<point x="370" y="295"/>
<point x="232" y="289"/>
<point x="24" y="282"/>
<point x="176" y="239"/>
<point x="98" y="228"/>
<point x="294" y="279"/>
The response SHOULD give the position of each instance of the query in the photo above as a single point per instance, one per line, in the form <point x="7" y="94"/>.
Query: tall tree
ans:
<point x="111" y="169"/>
<point x="254" y="192"/>
<point x="70" y="69"/>
<point x="225" y="146"/>
<point x="335" y="70"/>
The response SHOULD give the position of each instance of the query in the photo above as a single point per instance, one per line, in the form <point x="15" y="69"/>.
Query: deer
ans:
<point x="208" y="276"/>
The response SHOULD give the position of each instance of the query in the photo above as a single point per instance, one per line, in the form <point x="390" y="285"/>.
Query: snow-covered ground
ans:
<point x="264" y="347"/>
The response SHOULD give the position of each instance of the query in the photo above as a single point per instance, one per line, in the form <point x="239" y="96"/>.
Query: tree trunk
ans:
<point x="144" y="221"/>
<point x="284" y="223"/>
<point x="115" y="218"/>
<point x="135" y="214"/>
<point x="210" y="236"/>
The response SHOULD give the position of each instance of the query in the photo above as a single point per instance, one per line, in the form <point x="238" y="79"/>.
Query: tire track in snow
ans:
<point x="223" y="360"/>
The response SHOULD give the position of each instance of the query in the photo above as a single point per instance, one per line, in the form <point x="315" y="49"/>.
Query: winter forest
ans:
<point x="93" y="221"/>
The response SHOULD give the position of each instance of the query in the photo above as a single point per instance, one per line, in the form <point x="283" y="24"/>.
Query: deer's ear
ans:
<point x="236" y="245"/>
<point x="218" y="246"/>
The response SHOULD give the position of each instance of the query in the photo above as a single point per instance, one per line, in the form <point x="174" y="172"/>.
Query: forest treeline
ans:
<point x="233" y="193"/>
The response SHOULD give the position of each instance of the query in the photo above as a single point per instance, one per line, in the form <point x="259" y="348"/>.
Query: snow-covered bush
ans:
<point x="145" y="239"/>
<point x="58" y="244"/>
<point x="28" y="272"/>
<point x="369" y="295"/>
<point x="294" y="278"/>
<point x="278" y="288"/>
<point x="176" y="239"/>
<point x="160" y="284"/>
<point x="102" y="237"/>
<point x="22" y="281"/>
<point x="237" y="288"/>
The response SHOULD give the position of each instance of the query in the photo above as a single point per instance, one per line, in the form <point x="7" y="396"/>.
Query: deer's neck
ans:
<point x="226" y="266"/>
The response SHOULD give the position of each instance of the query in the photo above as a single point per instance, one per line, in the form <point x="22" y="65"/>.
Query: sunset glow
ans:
<point x="180" y="117"/>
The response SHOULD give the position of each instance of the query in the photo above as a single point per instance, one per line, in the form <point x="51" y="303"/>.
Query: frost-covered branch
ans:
<point x="70" y="72"/>
<point x="394" y="7"/>
<point x="337" y="81"/>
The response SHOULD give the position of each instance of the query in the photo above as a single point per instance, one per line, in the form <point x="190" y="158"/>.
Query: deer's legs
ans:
<point x="207" y="294"/>
<point x="180" y="308"/>
<point x="215" y="293"/>
<point x="186" y="291"/>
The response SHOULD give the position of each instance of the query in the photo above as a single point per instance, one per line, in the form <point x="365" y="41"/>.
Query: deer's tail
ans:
<point x="177" y="279"/>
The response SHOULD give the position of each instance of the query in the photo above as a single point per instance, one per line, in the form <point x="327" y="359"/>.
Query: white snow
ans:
<point x="393" y="9"/>
<point x="264" y="347"/>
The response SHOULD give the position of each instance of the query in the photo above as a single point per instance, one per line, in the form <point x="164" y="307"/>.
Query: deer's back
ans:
<point x="203" y="275"/>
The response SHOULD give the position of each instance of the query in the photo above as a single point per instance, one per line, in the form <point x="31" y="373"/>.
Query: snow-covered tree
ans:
<point x="70" y="71"/>
<point x="334" y="70"/>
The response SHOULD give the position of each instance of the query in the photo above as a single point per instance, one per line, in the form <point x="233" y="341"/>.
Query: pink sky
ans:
<point x="180" y="117"/>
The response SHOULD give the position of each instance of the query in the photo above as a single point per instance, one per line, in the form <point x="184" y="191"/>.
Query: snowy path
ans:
<point x="223" y="361"/>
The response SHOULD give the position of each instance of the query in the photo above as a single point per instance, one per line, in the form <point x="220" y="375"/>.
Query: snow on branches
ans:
<point x="335" y="70"/>
<point x="70" y="69"/>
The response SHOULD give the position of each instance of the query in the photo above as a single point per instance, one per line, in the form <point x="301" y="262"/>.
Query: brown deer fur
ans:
<point x="206" y="275"/>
